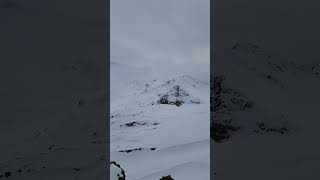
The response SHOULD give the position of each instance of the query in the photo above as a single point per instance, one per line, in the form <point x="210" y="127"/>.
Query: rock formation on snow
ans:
<point x="116" y="172"/>
<point x="228" y="106"/>
<point x="167" y="178"/>
<point x="177" y="96"/>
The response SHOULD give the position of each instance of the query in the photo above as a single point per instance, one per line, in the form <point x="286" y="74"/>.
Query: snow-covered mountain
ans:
<point x="264" y="121"/>
<point x="159" y="125"/>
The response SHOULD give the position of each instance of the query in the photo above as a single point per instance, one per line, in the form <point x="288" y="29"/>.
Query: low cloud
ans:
<point x="148" y="32"/>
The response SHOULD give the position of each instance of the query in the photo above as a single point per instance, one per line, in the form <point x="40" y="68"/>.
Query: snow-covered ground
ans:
<point x="276" y="136"/>
<point x="159" y="123"/>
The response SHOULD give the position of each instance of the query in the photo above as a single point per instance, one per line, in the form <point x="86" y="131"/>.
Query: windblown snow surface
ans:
<point x="159" y="123"/>
<point x="259" y="135"/>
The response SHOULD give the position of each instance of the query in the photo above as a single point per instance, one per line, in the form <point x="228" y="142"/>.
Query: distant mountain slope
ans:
<point x="160" y="125"/>
<point x="264" y="115"/>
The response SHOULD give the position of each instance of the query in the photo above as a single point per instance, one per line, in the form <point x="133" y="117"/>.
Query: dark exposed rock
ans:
<point x="76" y="169"/>
<point x="165" y="99"/>
<point x="177" y="96"/>
<point x="136" y="149"/>
<point x="131" y="124"/>
<point x="122" y="175"/>
<point x="224" y="102"/>
<point x="220" y="132"/>
<point x="273" y="79"/>
<point x="7" y="174"/>
<point x="167" y="178"/>
<point x="316" y="69"/>
<point x="227" y="104"/>
<point x="51" y="147"/>
<point x="131" y="150"/>
<point x="262" y="127"/>
<point x="247" y="47"/>
<point x="81" y="103"/>
<point x="235" y="47"/>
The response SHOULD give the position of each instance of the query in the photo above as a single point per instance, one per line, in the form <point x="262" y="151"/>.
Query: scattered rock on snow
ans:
<point x="131" y="150"/>
<point x="134" y="123"/>
<point x="136" y="149"/>
<point x="262" y="127"/>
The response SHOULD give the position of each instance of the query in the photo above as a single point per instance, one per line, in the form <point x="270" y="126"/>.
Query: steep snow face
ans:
<point x="275" y="136"/>
<point x="160" y="126"/>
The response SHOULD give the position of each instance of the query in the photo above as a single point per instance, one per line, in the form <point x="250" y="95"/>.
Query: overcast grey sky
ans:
<point x="167" y="31"/>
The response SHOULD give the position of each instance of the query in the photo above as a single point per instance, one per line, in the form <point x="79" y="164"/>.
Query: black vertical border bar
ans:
<point x="295" y="37"/>
<point x="29" y="81"/>
<point x="211" y="79"/>
<point x="108" y="16"/>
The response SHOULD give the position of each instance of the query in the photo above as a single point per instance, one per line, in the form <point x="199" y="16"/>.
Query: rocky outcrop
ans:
<point x="224" y="102"/>
<point x="167" y="178"/>
<point x="227" y="104"/>
<point x="116" y="172"/>
<point x="177" y="96"/>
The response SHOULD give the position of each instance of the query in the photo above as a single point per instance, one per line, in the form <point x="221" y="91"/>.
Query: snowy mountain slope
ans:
<point x="160" y="126"/>
<point x="283" y="125"/>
